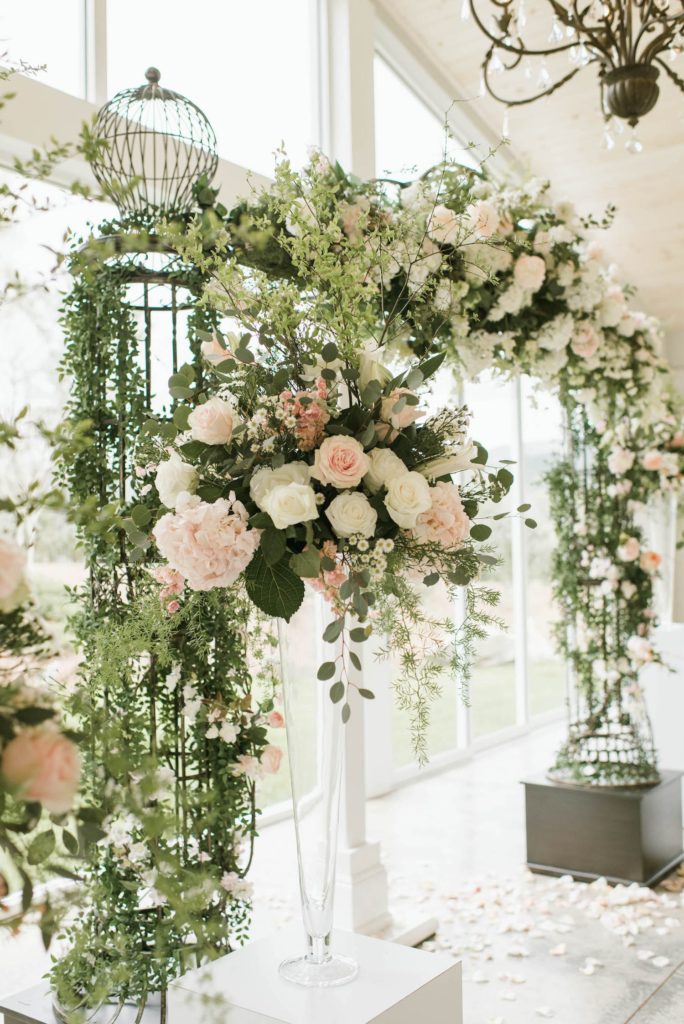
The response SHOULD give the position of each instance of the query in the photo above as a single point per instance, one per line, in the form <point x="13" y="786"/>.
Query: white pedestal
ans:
<point x="664" y="692"/>
<point x="395" y="985"/>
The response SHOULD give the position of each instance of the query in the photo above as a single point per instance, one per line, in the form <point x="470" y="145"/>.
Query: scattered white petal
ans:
<point x="660" y="961"/>
<point x="544" y="1011"/>
<point x="510" y="997"/>
<point x="645" y="954"/>
<point x="480" y="978"/>
<point x="559" y="950"/>
<point x="518" y="951"/>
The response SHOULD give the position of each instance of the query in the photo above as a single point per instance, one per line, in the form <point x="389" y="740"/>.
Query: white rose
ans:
<point x="352" y="513"/>
<point x="288" y="504"/>
<point x="173" y="478"/>
<point x="443" y="225"/>
<point x="212" y="422"/>
<point x="483" y="218"/>
<point x="265" y="479"/>
<point x="407" y="496"/>
<point x="529" y="272"/>
<point x="384" y="466"/>
<point x="620" y="461"/>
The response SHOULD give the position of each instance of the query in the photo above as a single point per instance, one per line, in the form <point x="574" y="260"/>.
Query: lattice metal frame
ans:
<point x="158" y="146"/>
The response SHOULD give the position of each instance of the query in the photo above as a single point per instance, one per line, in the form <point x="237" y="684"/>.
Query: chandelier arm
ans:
<point x="661" y="42"/>
<point x="530" y="99"/>
<point x="520" y="51"/>
<point x="590" y="32"/>
<point x="679" y="82"/>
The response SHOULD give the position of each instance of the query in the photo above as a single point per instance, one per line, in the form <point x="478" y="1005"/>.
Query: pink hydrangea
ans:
<point x="445" y="522"/>
<point x="209" y="544"/>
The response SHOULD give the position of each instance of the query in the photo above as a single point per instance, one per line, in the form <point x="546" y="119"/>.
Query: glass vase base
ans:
<point x="310" y="973"/>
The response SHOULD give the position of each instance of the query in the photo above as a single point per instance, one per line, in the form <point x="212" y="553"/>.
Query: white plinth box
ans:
<point x="395" y="985"/>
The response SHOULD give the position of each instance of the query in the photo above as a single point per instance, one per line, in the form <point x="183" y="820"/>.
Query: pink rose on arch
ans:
<point x="393" y="422"/>
<point x="529" y="272"/>
<point x="340" y="462"/>
<point x="42" y="765"/>
<point x="483" y="218"/>
<point x="445" y="522"/>
<point x="629" y="550"/>
<point x="247" y="765"/>
<point x="171" y="581"/>
<point x="209" y="544"/>
<point x="652" y="460"/>
<point x="270" y="759"/>
<point x="585" y="341"/>
<point x="443" y="225"/>
<point x="274" y="720"/>
<point x="650" y="561"/>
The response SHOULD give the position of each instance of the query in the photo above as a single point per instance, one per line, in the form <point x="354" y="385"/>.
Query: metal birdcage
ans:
<point x="158" y="144"/>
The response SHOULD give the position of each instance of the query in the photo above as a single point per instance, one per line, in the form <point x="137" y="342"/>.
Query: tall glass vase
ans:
<point x="315" y="750"/>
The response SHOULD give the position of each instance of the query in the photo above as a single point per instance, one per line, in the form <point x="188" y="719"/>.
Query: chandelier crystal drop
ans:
<point x="630" y="41"/>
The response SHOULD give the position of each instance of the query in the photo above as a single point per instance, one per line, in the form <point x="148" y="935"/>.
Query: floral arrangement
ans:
<point x="500" y="277"/>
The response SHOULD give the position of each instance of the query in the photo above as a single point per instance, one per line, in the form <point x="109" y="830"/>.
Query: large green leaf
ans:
<point x="273" y="588"/>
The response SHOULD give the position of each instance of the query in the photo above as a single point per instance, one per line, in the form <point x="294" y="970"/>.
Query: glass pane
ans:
<point x="45" y="32"/>
<point x="408" y="136"/>
<point x="248" y="66"/>
<point x="492" y="691"/>
<point x="542" y="438"/>
<point x="29" y="356"/>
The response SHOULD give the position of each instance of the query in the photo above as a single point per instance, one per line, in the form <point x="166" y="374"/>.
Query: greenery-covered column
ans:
<point x="602" y="604"/>
<point x="164" y="701"/>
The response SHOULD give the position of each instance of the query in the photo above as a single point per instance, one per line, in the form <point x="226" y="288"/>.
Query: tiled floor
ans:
<point x="532" y="948"/>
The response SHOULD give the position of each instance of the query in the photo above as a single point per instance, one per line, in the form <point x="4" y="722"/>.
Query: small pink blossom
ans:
<point x="652" y="460"/>
<point x="270" y="759"/>
<point x="629" y="550"/>
<point x="585" y="341"/>
<point x="274" y="720"/>
<point x="311" y="415"/>
<point x="172" y="582"/>
<point x="248" y="765"/>
<point x="173" y="607"/>
<point x="393" y="422"/>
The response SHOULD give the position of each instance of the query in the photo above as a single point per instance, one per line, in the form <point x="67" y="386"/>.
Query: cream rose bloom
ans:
<point x="620" y="461"/>
<point x="265" y="479"/>
<point x="443" y="225"/>
<point x="173" y="478"/>
<point x="13" y="589"/>
<point x="340" y="462"/>
<point x="529" y="272"/>
<point x="372" y="368"/>
<point x="483" y="218"/>
<point x="212" y="423"/>
<point x="629" y="549"/>
<point x="289" y="504"/>
<point x="640" y="650"/>
<point x="407" y="496"/>
<point x="384" y="466"/>
<point x="585" y="341"/>
<point x="652" y="460"/>
<point x="352" y="513"/>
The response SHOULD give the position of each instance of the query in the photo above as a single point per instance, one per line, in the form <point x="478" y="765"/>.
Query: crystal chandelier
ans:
<point x="630" y="40"/>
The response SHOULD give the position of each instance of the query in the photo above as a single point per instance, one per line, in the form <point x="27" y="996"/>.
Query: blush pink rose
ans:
<point x="274" y="720"/>
<point x="208" y="544"/>
<point x="650" y="561"/>
<point x="270" y="759"/>
<point x="212" y="422"/>
<point x="585" y="341"/>
<point x="445" y="522"/>
<point x="12" y="569"/>
<point x="483" y="218"/>
<point x="529" y="272"/>
<point x="629" y="550"/>
<point x="393" y="422"/>
<point x="652" y="460"/>
<point x="340" y="462"/>
<point x="443" y="225"/>
<point x="171" y="581"/>
<point x="247" y="765"/>
<point x="42" y="765"/>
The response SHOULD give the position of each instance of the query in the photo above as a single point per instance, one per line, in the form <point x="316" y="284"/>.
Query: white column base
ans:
<point x="361" y="890"/>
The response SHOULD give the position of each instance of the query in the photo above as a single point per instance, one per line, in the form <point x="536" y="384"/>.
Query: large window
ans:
<point x="249" y="66"/>
<point x="50" y="33"/>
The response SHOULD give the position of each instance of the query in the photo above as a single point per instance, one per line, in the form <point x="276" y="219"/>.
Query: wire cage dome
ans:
<point x="158" y="145"/>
